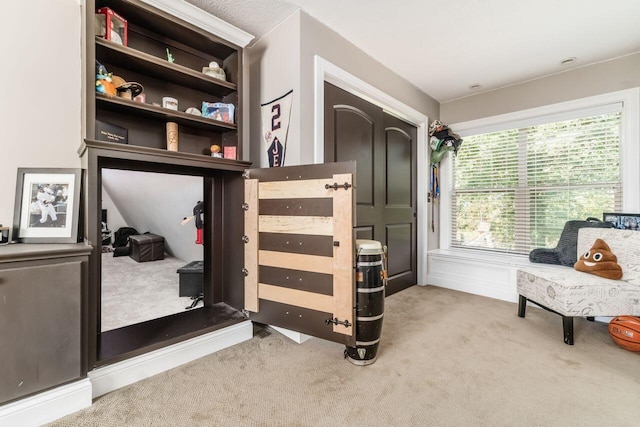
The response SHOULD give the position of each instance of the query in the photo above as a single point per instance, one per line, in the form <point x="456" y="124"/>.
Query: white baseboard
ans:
<point x="113" y="377"/>
<point x="493" y="277"/>
<point x="297" y="337"/>
<point x="47" y="406"/>
<point x="472" y="288"/>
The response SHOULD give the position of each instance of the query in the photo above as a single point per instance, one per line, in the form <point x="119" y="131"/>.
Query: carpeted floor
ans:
<point x="133" y="292"/>
<point x="446" y="359"/>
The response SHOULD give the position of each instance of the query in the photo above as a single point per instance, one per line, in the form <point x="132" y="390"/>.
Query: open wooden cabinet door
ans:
<point x="299" y="249"/>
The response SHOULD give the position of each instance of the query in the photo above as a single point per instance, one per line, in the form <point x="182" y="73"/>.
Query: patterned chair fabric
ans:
<point x="572" y="293"/>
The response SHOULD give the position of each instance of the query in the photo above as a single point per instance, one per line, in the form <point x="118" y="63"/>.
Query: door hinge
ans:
<point x="335" y="186"/>
<point x="246" y="174"/>
<point x="245" y="313"/>
<point x="245" y="272"/>
<point x="335" y="321"/>
<point x="245" y="206"/>
<point x="245" y="239"/>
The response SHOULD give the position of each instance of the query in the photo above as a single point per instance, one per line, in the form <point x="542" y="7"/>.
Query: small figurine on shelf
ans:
<point x="215" y="151"/>
<point x="215" y="71"/>
<point x="169" y="56"/>
<point x="104" y="81"/>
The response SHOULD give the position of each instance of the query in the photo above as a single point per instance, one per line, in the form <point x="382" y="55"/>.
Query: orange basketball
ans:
<point x="625" y="331"/>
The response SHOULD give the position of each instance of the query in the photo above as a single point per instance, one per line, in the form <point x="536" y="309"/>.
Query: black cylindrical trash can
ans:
<point x="370" y="283"/>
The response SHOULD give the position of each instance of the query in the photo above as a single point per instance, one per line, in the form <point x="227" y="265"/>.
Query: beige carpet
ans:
<point x="446" y="359"/>
<point x="134" y="292"/>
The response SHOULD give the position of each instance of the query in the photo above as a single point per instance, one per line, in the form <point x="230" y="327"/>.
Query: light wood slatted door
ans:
<point x="299" y="249"/>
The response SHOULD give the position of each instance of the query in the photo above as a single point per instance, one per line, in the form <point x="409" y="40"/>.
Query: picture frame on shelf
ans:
<point x="47" y="205"/>
<point x="229" y="152"/>
<point x="623" y="221"/>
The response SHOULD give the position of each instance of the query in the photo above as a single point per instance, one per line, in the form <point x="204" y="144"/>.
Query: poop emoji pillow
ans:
<point x="599" y="260"/>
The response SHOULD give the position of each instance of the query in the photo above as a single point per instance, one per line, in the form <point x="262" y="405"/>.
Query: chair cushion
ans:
<point x="574" y="293"/>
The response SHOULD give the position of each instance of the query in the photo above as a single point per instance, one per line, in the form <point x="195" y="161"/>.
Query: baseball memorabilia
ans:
<point x="172" y="136"/>
<point x="275" y="126"/>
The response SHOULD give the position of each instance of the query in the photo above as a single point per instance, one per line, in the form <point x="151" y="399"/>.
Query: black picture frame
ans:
<point x="47" y="205"/>
<point x="623" y="221"/>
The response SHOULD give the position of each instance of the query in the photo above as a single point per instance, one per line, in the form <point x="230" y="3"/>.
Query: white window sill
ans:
<point x="484" y="257"/>
<point x="478" y="272"/>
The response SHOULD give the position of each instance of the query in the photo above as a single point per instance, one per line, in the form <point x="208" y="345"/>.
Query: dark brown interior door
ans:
<point x="384" y="148"/>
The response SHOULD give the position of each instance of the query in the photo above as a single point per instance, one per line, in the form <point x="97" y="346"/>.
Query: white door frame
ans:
<point x="331" y="73"/>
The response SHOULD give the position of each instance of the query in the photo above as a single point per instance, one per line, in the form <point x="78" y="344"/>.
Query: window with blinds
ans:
<point x="514" y="189"/>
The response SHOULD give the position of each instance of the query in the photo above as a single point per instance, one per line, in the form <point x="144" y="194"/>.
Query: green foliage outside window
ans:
<point x="513" y="190"/>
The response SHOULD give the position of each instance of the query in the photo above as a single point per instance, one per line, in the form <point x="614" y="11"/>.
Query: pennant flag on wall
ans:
<point x="275" y="126"/>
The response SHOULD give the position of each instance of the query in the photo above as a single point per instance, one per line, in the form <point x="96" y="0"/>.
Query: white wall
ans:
<point x="284" y="60"/>
<point x="318" y="39"/>
<point x="157" y="203"/>
<point x="114" y="217"/>
<point x="605" y="77"/>
<point x="274" y="69"/>
<point x="40" y="106"/>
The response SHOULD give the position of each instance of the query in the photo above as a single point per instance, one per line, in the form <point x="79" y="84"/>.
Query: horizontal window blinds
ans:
<point x="514" y="189"/>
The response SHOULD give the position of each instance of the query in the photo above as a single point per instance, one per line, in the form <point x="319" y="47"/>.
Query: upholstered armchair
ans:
<point x="570" y="293"/>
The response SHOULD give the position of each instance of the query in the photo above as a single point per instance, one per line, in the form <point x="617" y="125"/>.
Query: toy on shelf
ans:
<point x="111" y="26"/>
<point x="104" y="81"/>
<point x="216" y="151"/>
<point x="110" y="85"/>
<point x="214" y="71"/>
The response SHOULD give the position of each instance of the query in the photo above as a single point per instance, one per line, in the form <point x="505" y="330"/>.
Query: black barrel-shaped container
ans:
<point x="370" y="283"/>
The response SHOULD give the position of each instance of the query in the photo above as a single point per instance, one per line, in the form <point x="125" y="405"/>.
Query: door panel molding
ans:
<point x="396" y="148"/>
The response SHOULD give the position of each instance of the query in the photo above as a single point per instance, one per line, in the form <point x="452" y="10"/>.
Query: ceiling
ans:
<point x="445" y="46"/>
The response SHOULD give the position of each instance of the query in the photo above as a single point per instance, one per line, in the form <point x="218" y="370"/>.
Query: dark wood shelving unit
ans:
<point x="151" y="32"/>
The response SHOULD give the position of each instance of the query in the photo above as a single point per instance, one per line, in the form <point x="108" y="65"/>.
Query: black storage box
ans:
<point x="111" y="133"/>
<point x="146" y="247"/>
<point x="191" y="279"/>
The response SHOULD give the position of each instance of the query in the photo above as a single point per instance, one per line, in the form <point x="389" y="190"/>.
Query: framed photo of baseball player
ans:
<point x="47" y="205"/>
